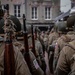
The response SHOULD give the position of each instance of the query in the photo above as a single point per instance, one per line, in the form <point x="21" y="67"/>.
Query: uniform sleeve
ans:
<point x="21" y="66"/>
<point x="50" y="39"/>
<point x="62" y="62"/>
<point x="40" y="51"/>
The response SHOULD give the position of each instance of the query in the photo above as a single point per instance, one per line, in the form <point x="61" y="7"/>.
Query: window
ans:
<point x="17" y="10"/>
<point x="34" y="13"/>
<point x="47" y="13"/>
<point x="2" y="6"/>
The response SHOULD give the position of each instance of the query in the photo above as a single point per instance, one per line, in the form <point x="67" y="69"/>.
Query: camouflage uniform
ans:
<point x="66" y="59"/>
<point x="20" y="64"/>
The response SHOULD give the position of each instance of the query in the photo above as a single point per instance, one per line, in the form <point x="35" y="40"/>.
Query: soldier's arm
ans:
<point x="50" y="39"/>
<point x="62" y="65"/>
<point x="21" y="65"/>
<point x="40" y="49"/>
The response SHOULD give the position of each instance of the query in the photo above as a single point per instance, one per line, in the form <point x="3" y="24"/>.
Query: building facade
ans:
<point x="16" y="7"/>
<point x="40" y="12"/>
<point x="72" y="3"/>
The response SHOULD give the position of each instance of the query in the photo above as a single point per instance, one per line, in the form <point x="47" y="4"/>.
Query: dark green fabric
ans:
<point x="71" y="21"/>
<point x="62" y="26"/>
<point x="1" y="13"/>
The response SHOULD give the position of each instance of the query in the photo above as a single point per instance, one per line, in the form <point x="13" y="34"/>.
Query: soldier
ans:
<point x="46" y="40"/>
<point x="66" y="60"/>
<point x="35" y="67"/>
<point x="54" y="35"/>
<point x="39" y="50"/>
<point x="21" y="67"/>
<point x="41" y="39"/>
<point x="58" y="44"/>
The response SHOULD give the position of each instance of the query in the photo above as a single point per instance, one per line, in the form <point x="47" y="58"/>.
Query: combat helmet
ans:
<point x="17" y="23"/>
<point x="1" y="13"/>
<point x="70" y="21"/>
<point x="61" y="26"/>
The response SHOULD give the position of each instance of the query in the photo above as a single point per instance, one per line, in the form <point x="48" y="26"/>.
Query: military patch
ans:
<point x="56" y="46"/>
<point x="35" y="64"/>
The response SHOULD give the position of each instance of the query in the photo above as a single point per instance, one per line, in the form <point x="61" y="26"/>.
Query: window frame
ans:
<point x="34" y="11"/>
<point x="17" y="10"/>
<point x="2" y="6"/>
<point x="47" y="13"/>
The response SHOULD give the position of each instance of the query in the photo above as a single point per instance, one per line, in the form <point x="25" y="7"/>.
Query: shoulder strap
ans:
<point x="70" y="46"/>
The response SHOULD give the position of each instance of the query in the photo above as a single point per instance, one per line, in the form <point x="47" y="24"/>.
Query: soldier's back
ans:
<point x="21" y="67"/>
<point x="66" y="59"/>
<point x="52" y="37"/>
<point x="60" y="43"/>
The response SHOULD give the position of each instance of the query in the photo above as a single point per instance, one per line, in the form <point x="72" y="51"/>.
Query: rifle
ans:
<point x="51" y="57"/>
<point x="33" y="42"/>
<point x="36" y="33"/>
<point x="38" y="57"/>
<point x="9" y="63"/>
<point x="26" y="55"/>
<point x="31" y="61"/>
